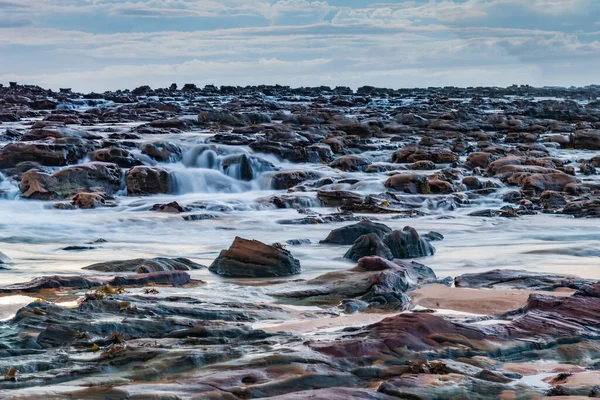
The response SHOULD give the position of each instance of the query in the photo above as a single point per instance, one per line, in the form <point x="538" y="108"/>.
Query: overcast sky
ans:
<point x="97" y="45"/>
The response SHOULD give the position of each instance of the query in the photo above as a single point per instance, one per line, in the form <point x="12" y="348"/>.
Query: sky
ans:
<point x="98" y="45"/>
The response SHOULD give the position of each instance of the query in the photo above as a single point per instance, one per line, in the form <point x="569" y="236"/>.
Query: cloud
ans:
<point x="109" y="43"/>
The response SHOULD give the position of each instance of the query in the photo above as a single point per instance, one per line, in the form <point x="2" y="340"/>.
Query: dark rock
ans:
<point x="146" y="265"/>
<point x="520" y="279"/>
<point x="349" y="234"/>
<point x="287" y="179"/>
<point x="369" y="245"/>
<point x="58" y="282"/>
<point x="408" y="244"/>
<point x="253" y="259"/>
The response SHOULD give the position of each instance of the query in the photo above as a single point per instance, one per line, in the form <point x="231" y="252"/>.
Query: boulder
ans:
<point x="408" y="244"/>
<point x="409" y="183"/>
<point x="349" y="234"/>
<point x="253" y="259"/>
<point x="94" y="177"/>
<point x="587" y="140"/>
<point x="369" y="245"/>
<point x="145" y="181"/>
<point x="43" y="153"/>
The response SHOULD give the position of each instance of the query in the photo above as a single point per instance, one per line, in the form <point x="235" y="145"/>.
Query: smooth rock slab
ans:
<point x="175" y="278"/>
<point x="253" y="259"/>
<point x="146" y="265"/>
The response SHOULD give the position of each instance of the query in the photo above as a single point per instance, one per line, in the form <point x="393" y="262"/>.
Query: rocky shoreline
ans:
<point x="356" y="313"/>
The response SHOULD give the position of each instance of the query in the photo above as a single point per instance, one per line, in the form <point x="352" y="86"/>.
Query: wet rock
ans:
<point x="377" y="281"/>
<point x="349" y="234"/>
<point x="411" y="154"/>
<point x="369" y="245"/>
<point x="253" y="259"/>
<point x="408" y="244"/>
<point x="78" y="248"/>
<point x="479" y="160"/>
<point x="553" y="181"/>
<point x="588" y="140"/>
<point x="339" y="198"/>
<point x="433" y="236"/>
<point x="409" y="183"/>
<point x="88" y="201"/>
<point x="4" y="259"/>
<point x="58" y="282"/>
<point x="287" y="179"/>
<point x="94" y="177"/>
<point x="163" y="151"/>
<point x="520" y="279"/>
<point x="38" y="185"/>
<point x="298" y="242"/>
<point x="146" y="265"/>
<point x="121" y="157"/>
<point x="56" y="132"/>
<point x="351" y="163"/>
<point x="423" y="165"/>
<point x="145" y="181"/>
<point x="42" y="153"/>
<point x="583" y="208"/>
<point x="172" y="207"/>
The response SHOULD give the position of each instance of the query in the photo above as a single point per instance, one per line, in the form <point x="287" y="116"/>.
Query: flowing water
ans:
<point x="33" y="234"/>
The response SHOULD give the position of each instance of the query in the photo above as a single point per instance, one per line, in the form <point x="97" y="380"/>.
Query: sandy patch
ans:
<point x="475" y="301"/>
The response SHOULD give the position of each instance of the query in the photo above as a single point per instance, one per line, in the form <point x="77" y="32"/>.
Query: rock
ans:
<point x="479" y="160"/>
<point x="520" y="279"/>
<point x="57" y="132"/>
<point x="253" y="259"/>
<point x="351" y="163"/>
<point x="433" y="236"/>
<point x="172" y="207"/>
<point x="38" y="185"/>
<point x="42" y="153"/>
<point x="4" y="259"/>
<point x="409" y="183"/>
<point x="408" y="244"/>
<point x="423" y="165"/>
<point x="59" y="282"/>
<point x="94" y="177"/>
<point x="349" y="234"/>
<point x="411" y="154"/>
<point x="78" y="248"/>
<point x="145" y="181"/>
<point x="369" y="245"/>
<point x="588" y="140"/>
<point x="374" y="280"/>
<point x="121" y="157"/>
<point x="553" y="181"/>
<point x="583" y="208"/>
<point x="146" y="265"/>
<point x="163" y="151"/>
<point x="287" y="179"/>
<point x="89" y="200"/>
